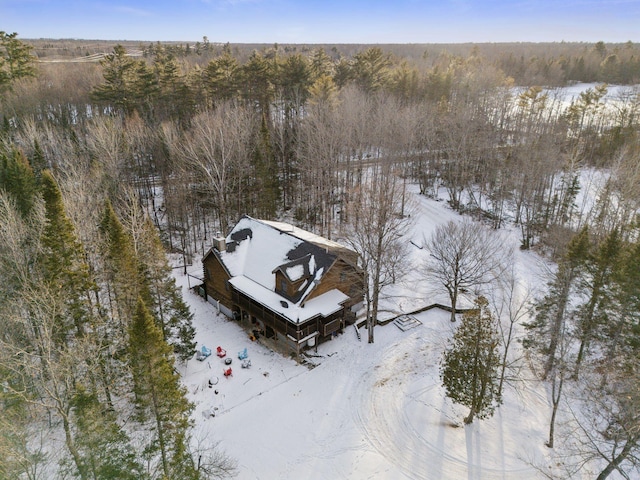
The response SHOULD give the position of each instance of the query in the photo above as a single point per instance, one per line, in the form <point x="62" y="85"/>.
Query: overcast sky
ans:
<point x="326" y="21"/>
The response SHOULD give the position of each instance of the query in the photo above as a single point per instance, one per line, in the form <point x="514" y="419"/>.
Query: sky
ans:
<point x="326" y="21"/>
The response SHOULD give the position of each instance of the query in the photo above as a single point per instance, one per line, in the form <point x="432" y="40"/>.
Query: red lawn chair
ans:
<point x="221" y="351"/>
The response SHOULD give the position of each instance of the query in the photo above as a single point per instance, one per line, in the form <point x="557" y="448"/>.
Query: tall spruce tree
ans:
<point x="128" y="83"/>
<point x="63" y="263"/>
<point x="168" y="307"/>
<point x="121" y="267"/>
<point x="159" y="397"/>
<point x="18" y="180"/>
<point x="470" y="366"/>
<point x="600" y="268"/>
<point x="552" y="311"/>
<point x="105" y="449"/>
<point x="16" y="60"/>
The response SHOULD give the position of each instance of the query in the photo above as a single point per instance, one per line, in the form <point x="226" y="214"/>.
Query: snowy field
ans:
<point x="366" y="411"/>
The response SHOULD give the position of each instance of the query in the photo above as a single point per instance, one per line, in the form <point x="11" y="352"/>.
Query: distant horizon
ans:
<point x="506" y="42"/>
<point x="326" y="21"/>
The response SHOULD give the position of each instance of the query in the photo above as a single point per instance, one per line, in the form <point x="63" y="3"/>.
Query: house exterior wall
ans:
<point x="216" y="281"/>
<point x="291" y="288"/>
<point x="325" y="326"/>
<point x="344" y="277"/>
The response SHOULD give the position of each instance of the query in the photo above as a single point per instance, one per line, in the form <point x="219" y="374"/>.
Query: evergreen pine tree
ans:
<point x="63" y="262"/>
<point x="16" y="60"/>
<point x="120" y="89"/>
<point x="320" y="64"/>
<point x="175" y="99"/>
<point x="38" y="161"/>
<point x="323" y="90"/>
<point x="159" y="397"/>
<point x="222" y="78"/>
<point x="552" y="311"/>
<point x="18" y="180"/>
<point x="104" y="447"/>
<point x="168" y="307"/>
<point x="145" y="86"/>
<point x="257" y="76"/>
<point x="371" y="69"/>
<point x="470" y="367"/>
<point x="5" y="131"/>
<point x="122" y="267"/>
<point x="294" y="82"/>
<point x="598" y="283"/>
<point x="624" y="328"/>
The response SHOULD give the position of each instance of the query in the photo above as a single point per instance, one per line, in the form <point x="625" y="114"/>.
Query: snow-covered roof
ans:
<point x="295" y="272"/>
<point x="304" y="235"/>
<point x="325" y="304"/>
<point x="256" y="249"/>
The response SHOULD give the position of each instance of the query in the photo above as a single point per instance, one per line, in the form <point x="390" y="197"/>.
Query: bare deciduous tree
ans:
<point x="464" y="255"/>
<point x="376" y="235"/>
<point x="217" y="150"/>
<point x="511" y="307"/>
<point x="607" y="437"/>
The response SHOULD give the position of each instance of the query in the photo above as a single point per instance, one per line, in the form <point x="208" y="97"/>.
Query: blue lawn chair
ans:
<point x="203" y="353"/>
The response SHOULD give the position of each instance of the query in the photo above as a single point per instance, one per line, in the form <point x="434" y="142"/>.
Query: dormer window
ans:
<point x="292" y="278"/>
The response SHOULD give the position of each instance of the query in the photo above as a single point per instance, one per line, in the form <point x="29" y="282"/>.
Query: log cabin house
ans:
<point x="287" y="284"/>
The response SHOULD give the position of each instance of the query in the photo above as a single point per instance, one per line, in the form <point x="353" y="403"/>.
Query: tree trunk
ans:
<point x="453" y="295"/>
<point x="555" y="399"/>
<point x="376" y="288"/>
<point x="613" y="465"/>
<point x="558" y="322"/>
<point x="159" y="425"/>
<point x="588" y="326"/>
<point x="469" y="418"/>
<point x="373" y="318"/>
<point x="77" y="459"/>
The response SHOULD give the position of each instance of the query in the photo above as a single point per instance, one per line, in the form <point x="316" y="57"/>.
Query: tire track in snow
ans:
<point x="387" y="405"/>
<point x="380" y="413"/>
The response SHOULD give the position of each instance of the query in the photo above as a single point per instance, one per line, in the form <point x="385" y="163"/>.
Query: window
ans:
<point x="283" y="286"/>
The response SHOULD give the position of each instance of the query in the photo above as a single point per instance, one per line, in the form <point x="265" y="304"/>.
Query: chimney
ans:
<point x="220" y="244"/>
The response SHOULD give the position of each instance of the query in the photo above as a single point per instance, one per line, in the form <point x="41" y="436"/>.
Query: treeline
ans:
<point x="549" y="64"/>
<point x="92" y="324"/>
<point x="287" y="134"/>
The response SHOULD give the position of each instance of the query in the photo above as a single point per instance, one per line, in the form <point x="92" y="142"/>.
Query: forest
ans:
<point x="113" y="154"/>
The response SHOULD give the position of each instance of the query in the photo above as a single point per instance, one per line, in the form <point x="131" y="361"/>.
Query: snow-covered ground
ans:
<point x="366" y="411"/>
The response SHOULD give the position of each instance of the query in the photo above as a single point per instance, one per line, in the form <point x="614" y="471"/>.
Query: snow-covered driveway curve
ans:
<point x="403" y="414"/>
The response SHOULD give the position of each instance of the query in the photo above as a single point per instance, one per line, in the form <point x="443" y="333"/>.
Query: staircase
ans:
<point x="406" y="322"/>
